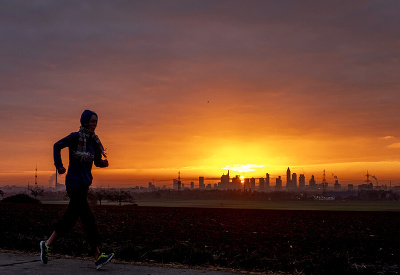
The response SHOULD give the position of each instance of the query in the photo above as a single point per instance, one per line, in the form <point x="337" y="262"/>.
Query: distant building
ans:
<point x="312" y="184"/>
<point x="381" y="187"/>
<point x="261" y="184"/>
<point x="278" y="181"/>
<point x="151" y="186"/>
<point x="350" y="187"/>
<point x="366" y="186"/>
<point x="246" y="183"/>
<point x="224" y="184"/>
<point x="177" y="184"/>
<point x="288" y="178"/>
<point x="236" y="182"/>
<point x="201" y="183"/>
<point x="294" y="180"/>
<point x="302" y="181"/>
<point x="266" y="181"/>
<point x="192" y="185"/>
<point x="291" y="180"/>
<point x="252" y="183"/>
<point x="337" y="185"/>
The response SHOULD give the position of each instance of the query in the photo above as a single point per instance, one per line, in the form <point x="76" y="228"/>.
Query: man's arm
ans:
<point x="62" y="143"/>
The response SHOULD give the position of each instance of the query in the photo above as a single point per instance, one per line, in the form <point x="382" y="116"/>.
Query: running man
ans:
<point x="85" y="149"/>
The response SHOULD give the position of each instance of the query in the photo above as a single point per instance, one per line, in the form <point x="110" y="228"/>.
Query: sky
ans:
<point x="203" y="87"/>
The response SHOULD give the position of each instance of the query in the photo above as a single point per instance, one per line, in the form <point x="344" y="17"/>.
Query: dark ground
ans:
<point x="296" y="242"/>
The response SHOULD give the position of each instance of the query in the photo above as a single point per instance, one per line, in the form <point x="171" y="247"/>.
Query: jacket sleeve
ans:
<point x="98" y="162"/>
<point x="62" y="143"/>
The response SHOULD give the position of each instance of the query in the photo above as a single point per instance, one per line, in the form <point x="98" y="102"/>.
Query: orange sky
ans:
<point x="202" y="87"/>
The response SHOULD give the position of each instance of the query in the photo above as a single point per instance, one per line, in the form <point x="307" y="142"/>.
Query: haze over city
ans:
<point x="203" y="87"/>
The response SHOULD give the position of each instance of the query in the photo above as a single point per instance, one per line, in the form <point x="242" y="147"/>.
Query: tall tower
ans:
<point x="36" y="176"/>
<point x="288" y="177"/>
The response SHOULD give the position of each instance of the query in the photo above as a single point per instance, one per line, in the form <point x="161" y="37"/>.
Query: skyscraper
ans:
<point x="278" y="182"/>
<point x="236" y="182"/>
<point x="261" y="184"/>
<point x="201" y="183"/>
<point x="266" y="181"/>
<point x="312" y="182"/>
<point x="177" y="184"/>
<point x="224" y="184"/>
<point x="302" y="181"/>
<point x="294" y="180"/>
<point x="288" y="177"/>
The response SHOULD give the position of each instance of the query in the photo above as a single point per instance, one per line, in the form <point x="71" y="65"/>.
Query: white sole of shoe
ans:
<point x="106" y="262"/>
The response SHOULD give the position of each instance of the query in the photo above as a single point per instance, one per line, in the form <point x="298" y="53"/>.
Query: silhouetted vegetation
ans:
<point x="98" y="195"/>
<point x="20" y="198"/>
<point x="113" y="195"/>
<point x="36" y="191"/>
<point x="1" y="193"/>
<point x="120" y="196"/>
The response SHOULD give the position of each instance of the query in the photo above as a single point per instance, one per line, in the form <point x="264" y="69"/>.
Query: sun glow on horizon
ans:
<point x="243" y="168"/>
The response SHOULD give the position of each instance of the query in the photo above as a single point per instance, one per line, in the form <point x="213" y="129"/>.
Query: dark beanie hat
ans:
<point x="86" y="115"/>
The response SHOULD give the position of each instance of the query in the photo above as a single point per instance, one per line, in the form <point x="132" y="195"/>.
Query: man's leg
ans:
<point x="64" y="225"/>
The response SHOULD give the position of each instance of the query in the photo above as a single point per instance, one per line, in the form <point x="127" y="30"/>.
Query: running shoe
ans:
<point x="103" y="259"/>
<point x="44" y="252"/>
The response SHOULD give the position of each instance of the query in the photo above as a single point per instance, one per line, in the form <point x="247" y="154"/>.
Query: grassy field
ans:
<point x="279" y="205"/>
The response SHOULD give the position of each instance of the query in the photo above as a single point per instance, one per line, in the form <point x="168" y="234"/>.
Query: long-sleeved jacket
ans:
<point x="79" y="171"/>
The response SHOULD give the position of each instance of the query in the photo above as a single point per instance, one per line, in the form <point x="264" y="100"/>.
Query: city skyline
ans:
<point x="202" y="87"/>
<point x="290" y="181"/>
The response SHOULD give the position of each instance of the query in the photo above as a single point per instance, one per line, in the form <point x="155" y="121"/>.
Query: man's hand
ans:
<point x="105" y="163"/>
<point x="61" y="170"/>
